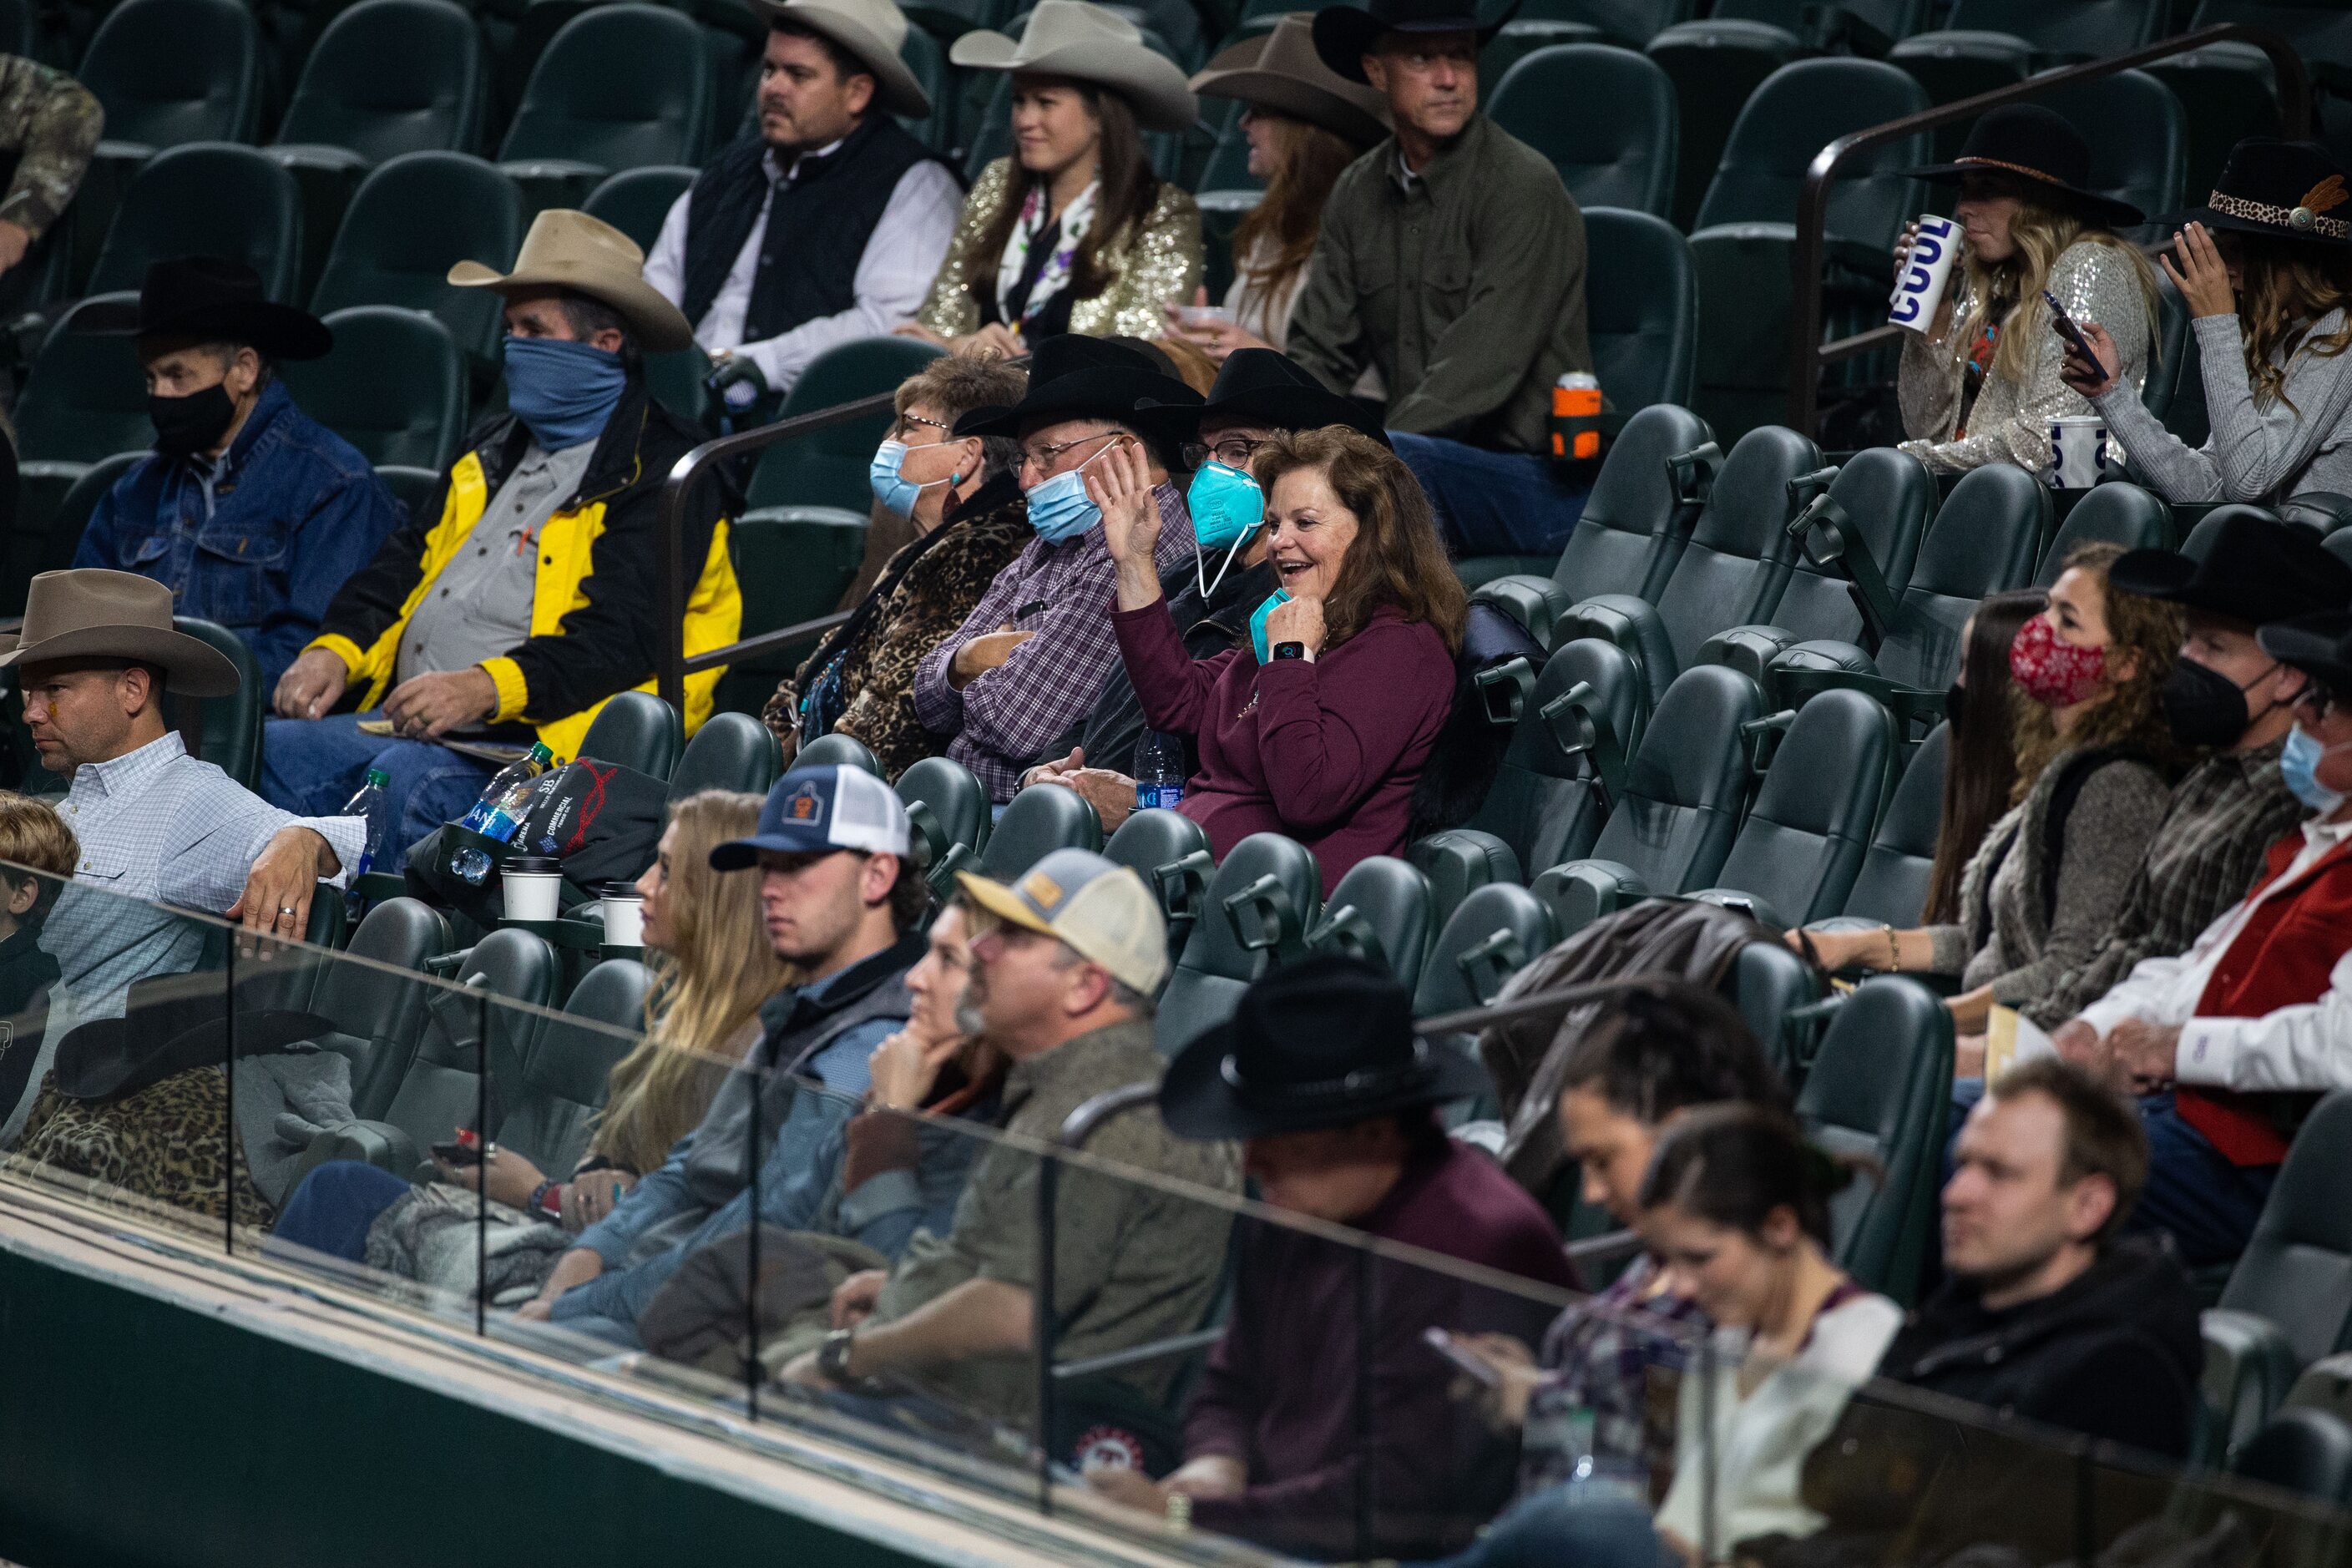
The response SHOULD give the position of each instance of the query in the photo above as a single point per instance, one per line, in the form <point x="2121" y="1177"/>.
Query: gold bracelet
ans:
<point x="1180" y="1511"/>
<point x="1894" y="951"/>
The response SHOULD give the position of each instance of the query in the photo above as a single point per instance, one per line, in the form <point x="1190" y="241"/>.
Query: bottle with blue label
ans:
<point x="501" y="810"/>
<point x="368" y="804"/>
<point x="1159" y="772"/>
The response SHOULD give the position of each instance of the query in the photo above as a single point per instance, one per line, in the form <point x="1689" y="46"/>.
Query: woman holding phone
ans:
<point x="1983" y="383"/>
<point x="2266" y="267"/>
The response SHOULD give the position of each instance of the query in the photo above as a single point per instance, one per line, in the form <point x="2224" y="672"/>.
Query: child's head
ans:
<point x="32" y="838"/>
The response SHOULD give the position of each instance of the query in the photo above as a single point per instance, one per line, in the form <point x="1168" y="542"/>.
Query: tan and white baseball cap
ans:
<point x="1100" y="909"/>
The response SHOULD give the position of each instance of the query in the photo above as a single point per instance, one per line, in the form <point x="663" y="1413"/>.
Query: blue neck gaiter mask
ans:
<point x="564" y="392"/>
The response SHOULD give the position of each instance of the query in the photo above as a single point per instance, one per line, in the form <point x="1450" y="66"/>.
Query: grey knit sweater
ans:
<point x="2004" y="939"/>
<point x="2257" y="454"/>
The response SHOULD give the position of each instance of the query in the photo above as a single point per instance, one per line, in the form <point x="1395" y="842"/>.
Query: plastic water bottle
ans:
<point x="366" y="803"/>
<point x="1159" y="772"/>
<point x="501" y="811"/>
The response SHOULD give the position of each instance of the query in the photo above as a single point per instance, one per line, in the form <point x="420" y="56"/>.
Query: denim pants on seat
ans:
<point x="311" y="766"/>
<point x="1549" y="1528"/>
<point x="1496" y="503"/>
<point x="2208" y="1205"/>
<point x="335" y="1207"/>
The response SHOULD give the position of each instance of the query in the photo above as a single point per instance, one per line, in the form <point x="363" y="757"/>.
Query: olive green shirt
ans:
<point x="1132" y="1263"/>
<point x="1463" y="285"/>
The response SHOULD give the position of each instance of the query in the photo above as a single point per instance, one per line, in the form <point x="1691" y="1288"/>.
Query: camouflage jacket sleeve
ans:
<point x="50" y="123"/>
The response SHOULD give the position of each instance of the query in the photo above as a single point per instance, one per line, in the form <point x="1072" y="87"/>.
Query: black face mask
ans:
<point x="1956" y="702"/>
<point x="2204" y="707"/>
<point x="187" y="425"/>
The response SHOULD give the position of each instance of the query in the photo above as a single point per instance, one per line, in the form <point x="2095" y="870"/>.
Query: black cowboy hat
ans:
<point x="2029" y="142"/>
<point x="1259" y="387"/>
<point x="2258" y="571"/>
<point x="2320" y="646"/>
<point x="1073" y="377"/>
<point x="1344" y="35"/>
<point x="210" y="299"/>
<point x="1321" y="1043"/>
<point x="2285" y="190"/>
<point x="171" y="1023"/>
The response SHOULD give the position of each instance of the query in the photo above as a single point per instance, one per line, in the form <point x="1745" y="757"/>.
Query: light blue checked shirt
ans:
<point x="157" y="827"/>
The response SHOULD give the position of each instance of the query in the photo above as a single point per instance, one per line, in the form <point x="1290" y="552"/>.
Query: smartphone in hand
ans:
<point x="2063" y="325"/>
<point x="1476" y="1367"/>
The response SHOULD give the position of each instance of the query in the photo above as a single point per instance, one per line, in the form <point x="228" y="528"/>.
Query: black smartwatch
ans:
<point x="1290" y="650"/>
<point x="832" y="1358"/>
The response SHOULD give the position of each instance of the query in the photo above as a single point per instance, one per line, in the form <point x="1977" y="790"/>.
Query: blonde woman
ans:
<point x="1074" y="233"/>
<point x="712" y="968"/>
<point x="1983" y="383"/>
<point x="2266" y="267"/>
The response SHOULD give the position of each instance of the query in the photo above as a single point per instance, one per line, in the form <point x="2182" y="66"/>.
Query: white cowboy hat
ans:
<point x="873" y="30"/>
<point x="1088" y="43"/>
<point x="567" y="249"/>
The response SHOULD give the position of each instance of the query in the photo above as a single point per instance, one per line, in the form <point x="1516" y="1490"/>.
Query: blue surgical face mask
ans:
<point x="891" y="486"/>
<point x="1060" y="510"/>
<point x="1257" y="622"/>
<point x="563" y="391"/>
<point x="2299" y="767"/>
<point x="1227" y="507"/>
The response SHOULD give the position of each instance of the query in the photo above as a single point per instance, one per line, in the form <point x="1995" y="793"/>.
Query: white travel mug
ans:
<point x="1935" y="249"/>
<point x="625" y="914"/>
<point x="2078" y="451"/>
<point x="534" y="886"/>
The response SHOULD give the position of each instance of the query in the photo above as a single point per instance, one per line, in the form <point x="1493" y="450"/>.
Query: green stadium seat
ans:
<point x="620" y="86"/>
<point x="394" y="386"/>
<point x="2296" y="1272"/>
<point x="1987" y="44"/>
<point x="636" y="730"/>
<point x="731" y="751"/>
<point x="1641" y="306"/>
<point x="793" y="564"/>
<point x="837" y="751"/>
<point x="1624" y="157"/>
<point x="1768" y="982"/>
<point x="413" y="488"/>
<point x="388" y="77"/>
<point x="1872" y="522"/>
<point x="2119" y="513"/>
<point x="407" y="224"/>
<point x="1170" y="853"/>
<point x="54" y="502"/>
<point x="1891" y="889"/>
<point x="205" y="198"/>
<point x="828" y="469"/>
<point x="1630" y="23"/>
<point x="2227" y="91"/>
<point x="635" y="200"/>
<point x="1379" y="912"/>
<point x="377" y="1008"/>
<point x="552" y="1103"/>
<point x="174" y="71"/>
<point x="2138" y="136"/>
<point x="1881" y="1086"/>
<point x="1801" y="847"/>
<point x="948" y="807"/>
<point x="1265" y="897"/>
<point x="85" y="397"/>
<point x="927" y="58"/>
<point x="1494" y="933"/>
<point x="1037" y="823"/>
<point x="2309" y="1453"/>
<point x="223" y="731"/>
<point x="2250" y="1372"/>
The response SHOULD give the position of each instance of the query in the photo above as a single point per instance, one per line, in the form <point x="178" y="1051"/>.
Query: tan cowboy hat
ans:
<point x="1281" y="71"/>
<point x="95" y="614"/>
<point x="873" y="30"/>
<point x="567" y="249"/>
<point x="1091" y="43"/>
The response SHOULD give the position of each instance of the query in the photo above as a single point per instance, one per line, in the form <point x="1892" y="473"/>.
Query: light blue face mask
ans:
<point x="1227" y="507"/>
<point x="1257" y="622"/>
<point x="891" y="486"/>
<point x="2299" y="767"/>
<point x="1060" y="510"/>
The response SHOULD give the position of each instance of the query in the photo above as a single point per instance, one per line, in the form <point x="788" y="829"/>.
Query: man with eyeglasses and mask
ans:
<point x="2230" y="1044"/>
<point x="1033" y="655"/>
<point x="1258" y="391"/>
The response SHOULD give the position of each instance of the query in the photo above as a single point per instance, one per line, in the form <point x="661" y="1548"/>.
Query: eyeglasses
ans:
<point x="1044" y="457"/>
<point x="907" y="419"/>
<point x="1233" y="451"/>
<point x="2319" y="702"/>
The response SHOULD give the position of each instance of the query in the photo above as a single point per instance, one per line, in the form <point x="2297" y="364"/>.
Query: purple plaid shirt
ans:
<point x="1006" y="717"/>
<point x="1619" y="1357"/>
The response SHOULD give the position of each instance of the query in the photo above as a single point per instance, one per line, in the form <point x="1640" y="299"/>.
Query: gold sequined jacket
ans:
<point x="1160" y="266"/>
<point x="2009" y="421"/>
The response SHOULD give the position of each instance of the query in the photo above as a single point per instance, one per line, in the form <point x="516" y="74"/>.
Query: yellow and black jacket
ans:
<point x="593" y="628"/>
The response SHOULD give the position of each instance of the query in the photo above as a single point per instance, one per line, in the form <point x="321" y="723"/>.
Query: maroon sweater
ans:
<point x="1278" y="1392"/>
<point x="1327" y="752"/>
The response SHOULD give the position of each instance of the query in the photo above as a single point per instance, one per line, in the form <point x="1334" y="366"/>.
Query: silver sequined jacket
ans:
<point x="2010" y="423"/>
<point x="1160" y="266"/>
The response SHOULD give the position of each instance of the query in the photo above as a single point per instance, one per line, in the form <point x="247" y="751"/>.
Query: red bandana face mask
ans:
<point x="2053" y="673"/>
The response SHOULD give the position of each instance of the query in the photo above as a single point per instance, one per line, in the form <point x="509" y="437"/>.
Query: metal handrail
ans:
<point x="1806" y="353"/>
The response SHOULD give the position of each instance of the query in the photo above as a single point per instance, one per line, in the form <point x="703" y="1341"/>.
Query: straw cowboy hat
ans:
<point x="1086" y="43"/>
<point x="567" y="249"/>
<point x="873" y="30"/>
<point x="95" y="614"/>
<point x="1282" y="72"/>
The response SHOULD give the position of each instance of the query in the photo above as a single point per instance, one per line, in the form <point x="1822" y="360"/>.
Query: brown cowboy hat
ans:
<point x="567" y="249"/>
<point x="95" y="614"/>
<point x="1281" y="71"/>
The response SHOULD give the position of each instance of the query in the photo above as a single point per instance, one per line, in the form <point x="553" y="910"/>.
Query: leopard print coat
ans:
<point x="161" y="1144"/>
<point x="922" y="596"/>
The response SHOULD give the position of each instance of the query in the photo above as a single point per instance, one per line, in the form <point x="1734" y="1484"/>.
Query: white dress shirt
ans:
<point x="157" y="827"/>
<point x="894" y="272"/>
<point x="2305" y="1047"/>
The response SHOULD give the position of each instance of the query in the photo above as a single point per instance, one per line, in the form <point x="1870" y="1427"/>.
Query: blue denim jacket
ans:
<point x="262" y="543"/>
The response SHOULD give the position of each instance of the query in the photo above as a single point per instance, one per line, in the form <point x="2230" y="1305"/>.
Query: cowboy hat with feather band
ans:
<point x="1344" y="35"/>
<point x="94" y="614"/>
<point x="209" y="299"/>
<point x="2285" y="190"/>
<point x="1282" y="72"/>
<point x="2026" y="141"/>
<point x="1088" y="43"/>
<point x="567" y="249"/>
<point x="872" y="30"/>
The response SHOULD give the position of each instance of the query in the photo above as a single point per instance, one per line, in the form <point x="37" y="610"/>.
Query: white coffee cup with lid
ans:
<point x="533" y="886"/>
<point x="2078" y="451"/>
<point x="624" y="909"/>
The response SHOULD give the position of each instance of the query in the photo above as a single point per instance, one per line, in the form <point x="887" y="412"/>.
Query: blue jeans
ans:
<point x="335" y="1205"/>
<point x="1495" y="503"/>
<point x="311" y="766"/>
<point x="2208" y="1205"/>
<point x="1548" y="1529"/>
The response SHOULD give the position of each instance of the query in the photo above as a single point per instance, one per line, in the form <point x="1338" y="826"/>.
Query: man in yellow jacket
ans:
<point x="523" y="597"/>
